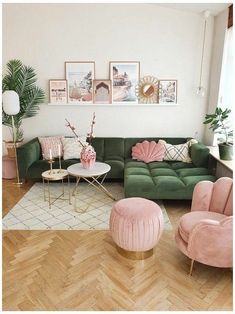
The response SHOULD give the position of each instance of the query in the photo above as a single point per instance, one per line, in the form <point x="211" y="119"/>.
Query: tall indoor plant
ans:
<point x="219" y="123"/>
<point x="21" y="79"/>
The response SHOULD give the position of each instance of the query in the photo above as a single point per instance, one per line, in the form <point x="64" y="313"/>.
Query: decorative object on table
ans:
<point x="11" y="107"/>
<point x="124" y="76"/>
<point x="220" y="124"/>
<point x="178" y="152"/>
<point x="88" y="154"/>
<point x="136" y="225"/>
<point x="80" y="76"/>
<point x="50" y="143"/>
<point x="102" y="91"/>
<point x="56" y="175"/>
<point x="21" y="79"/>
<point x="167" y="93"/>
<point x="8" y="168"/>
<point x="58" y="91"/>
<point x="206" y="233"/>
<point x="147" y="90"/>
<point x="200" y="89"/>
<point x="51" y="161"/>
<point x="148" y="151"/>
<point x="88" y="157"/>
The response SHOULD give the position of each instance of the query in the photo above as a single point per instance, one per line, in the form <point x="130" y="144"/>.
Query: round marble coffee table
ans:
<point x="94" y="177"/>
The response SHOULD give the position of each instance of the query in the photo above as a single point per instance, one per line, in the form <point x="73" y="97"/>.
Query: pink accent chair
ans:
<point x="206" y="233"/>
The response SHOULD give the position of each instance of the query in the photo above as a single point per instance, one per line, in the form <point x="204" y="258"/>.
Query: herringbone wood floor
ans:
<point x="81" y="270"/>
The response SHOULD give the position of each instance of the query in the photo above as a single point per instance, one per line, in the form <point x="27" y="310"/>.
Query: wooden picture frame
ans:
<point x="167" y="91"/>
<point x="125" y="76"/>
<point x="80" y="76"/>
<point x="102" y="91"/>
<point x="58" y="91"/>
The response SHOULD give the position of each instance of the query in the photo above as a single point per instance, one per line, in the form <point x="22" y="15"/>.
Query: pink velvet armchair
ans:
<point x="205" y="234"/>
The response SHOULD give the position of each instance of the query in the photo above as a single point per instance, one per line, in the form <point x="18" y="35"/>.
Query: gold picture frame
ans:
<point x="80" y="76"/>
<point x="125" y="76"/>
<point x="102" y="91"/>
<point x="167" y="91"/>
<point x="58" y="91"/>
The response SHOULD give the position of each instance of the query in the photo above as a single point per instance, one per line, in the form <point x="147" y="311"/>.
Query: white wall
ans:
<point x="167" y="42"/>
<point x="220" y="26"/>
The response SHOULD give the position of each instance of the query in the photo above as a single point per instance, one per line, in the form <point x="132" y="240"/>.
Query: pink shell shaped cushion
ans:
<point x="148" y="151"/>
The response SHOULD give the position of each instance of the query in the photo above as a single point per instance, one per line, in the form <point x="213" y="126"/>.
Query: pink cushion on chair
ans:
<point x="189" y="220"/>
<point x="148" y="151"/>
<point x="136" y="224"/>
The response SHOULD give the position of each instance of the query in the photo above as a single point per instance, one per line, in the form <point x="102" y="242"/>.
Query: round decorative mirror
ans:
<point x="147" y="89"/>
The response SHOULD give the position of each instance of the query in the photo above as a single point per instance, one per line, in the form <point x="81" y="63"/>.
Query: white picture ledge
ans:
<point x="111" y="105"/>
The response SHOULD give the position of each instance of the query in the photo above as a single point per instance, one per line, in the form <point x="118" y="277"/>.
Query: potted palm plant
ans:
<point x="219" y="123"/>
<point x="21" y="79"/>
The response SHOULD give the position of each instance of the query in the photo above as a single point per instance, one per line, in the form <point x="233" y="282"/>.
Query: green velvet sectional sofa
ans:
<point x="156" y="180"/>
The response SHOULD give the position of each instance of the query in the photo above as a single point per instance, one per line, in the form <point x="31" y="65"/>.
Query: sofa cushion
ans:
<point x="159" y="164"/>
<point x="50" y="144"/>
<point x="178" y="152"/>
<point x="189" y="220"/>
<point x="163" y="172"/>
<point x="135" y="164"/>
<point x="130" y="142"/>
<point x="192" y="172"/>
<point x="117" y="169"/>
<point x="180" y="165"/>
<point x="148" y="151"/>
<point x="72" y="147"/>
<point x="114" y="148"/>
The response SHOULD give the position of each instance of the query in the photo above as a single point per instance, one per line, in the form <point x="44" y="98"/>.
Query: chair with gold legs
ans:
<point x="205" y="234"/>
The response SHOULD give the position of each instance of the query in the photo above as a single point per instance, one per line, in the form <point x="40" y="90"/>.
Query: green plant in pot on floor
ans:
<point x="21" y="79"/>
<point x="219" y="123"/>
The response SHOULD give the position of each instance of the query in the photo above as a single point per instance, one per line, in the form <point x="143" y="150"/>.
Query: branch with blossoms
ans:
<point x="72" y="128"/>
<point x="90" y="135"/>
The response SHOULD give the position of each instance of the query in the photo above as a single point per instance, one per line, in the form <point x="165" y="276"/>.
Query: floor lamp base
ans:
<point x="19" y="184"/>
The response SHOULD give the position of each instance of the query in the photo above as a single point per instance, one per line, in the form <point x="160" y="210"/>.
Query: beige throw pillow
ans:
<point x="72" y="148"/>
<point x="178" y="152"/>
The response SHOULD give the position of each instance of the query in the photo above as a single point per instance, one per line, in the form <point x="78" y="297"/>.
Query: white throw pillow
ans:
<point x="72" y="148"/>
<point x="178" y="152"/>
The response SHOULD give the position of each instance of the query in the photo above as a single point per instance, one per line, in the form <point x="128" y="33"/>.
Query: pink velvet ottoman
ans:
<point x="136" y="225"/>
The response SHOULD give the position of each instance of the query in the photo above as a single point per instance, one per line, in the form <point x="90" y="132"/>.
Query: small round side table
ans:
<point x="55" y="175"/>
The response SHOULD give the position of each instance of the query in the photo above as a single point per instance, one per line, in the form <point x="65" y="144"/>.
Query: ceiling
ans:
<point x="214" y="8"/>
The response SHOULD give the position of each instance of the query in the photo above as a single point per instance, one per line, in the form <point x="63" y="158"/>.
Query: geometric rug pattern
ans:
<point x="33" y="213"/>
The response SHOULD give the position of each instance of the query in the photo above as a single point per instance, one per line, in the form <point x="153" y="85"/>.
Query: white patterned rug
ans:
<point x="33" y="213"/>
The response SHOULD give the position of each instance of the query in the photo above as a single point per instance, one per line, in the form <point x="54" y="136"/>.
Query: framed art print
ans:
<point x="102" y="91"/>
<point x="80" y="76"/>
<point x="124" y="76"/>
<point x="167" y="92"/>
<point x="58" y="91"/>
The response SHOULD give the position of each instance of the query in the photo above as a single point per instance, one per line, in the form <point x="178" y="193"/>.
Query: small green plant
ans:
<point x="22" y="79"/>
<point x="219" y="123"/>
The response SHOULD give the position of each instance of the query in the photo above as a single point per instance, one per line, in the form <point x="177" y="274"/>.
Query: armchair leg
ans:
<point x="191" y="267"/>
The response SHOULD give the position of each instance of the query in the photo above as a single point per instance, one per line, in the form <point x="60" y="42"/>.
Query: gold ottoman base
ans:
<point x="135" y="255"/>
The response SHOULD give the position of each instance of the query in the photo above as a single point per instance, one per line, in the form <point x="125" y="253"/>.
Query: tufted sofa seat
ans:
<point x="173" y="180"/>
<point x="156" y="180"/>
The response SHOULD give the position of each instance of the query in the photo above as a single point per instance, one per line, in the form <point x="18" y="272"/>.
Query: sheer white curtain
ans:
<point x="227" y="84"/>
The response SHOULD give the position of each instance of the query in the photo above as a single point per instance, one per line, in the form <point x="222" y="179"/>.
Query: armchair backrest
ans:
<point x="216" y="197"/>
